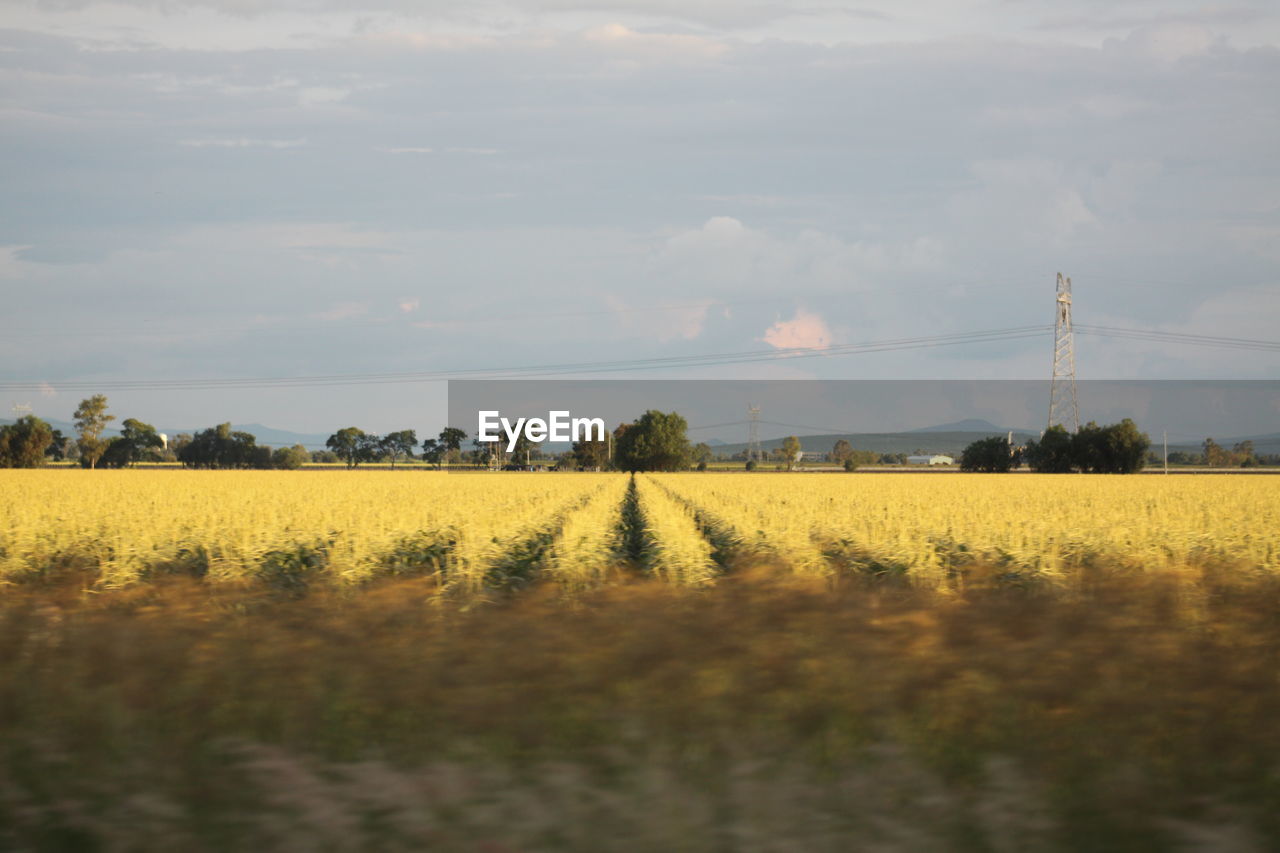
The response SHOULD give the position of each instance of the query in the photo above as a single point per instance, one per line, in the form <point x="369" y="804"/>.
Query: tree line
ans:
<point x="1119" y="448"/>
<point x="655" y="441"/>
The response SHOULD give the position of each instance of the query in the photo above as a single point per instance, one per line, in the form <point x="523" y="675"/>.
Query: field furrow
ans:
<point x="588" y="544"/>
<point x="674" y="548"/>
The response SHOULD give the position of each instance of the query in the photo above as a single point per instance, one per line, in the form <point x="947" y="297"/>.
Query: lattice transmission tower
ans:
<point x="753" y="432"/>
<point x="1064" y="408"/>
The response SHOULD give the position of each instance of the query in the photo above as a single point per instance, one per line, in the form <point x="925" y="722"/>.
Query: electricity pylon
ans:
<point x="1064" y="408"/>
<point x="753" y="432"/>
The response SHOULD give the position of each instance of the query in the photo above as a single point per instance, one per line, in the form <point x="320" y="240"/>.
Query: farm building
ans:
<point x="935" y="459"/>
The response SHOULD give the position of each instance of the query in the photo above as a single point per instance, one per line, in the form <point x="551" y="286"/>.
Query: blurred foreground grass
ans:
<point x="1137" y="711"/>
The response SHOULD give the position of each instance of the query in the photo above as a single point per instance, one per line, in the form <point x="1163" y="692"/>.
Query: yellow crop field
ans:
<point x="129" y="524"/>
<point x="925" y="524"/>
<point x="478" y="529"/>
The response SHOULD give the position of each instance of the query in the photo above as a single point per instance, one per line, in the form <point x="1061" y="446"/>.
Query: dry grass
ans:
<point x="767" y="713"/>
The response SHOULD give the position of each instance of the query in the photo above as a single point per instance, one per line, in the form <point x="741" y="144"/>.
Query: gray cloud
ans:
<point x="568" y="193"/>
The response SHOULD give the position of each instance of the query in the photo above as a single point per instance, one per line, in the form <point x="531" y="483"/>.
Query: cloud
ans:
<point x="805" y="330"/>
<point x="408" y="306"/>
<point x="1167" y="41"/>
<point x="12" y="261"/>
<point x="343" y="311"/>
<point x="244" y="142"/>
<point x="658" y="153"/>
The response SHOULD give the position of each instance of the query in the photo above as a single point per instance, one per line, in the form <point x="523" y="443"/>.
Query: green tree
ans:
<point x="57" y="449"/>
<point x="592" y="455"/>
<point x="791" y="451"/>
<point x="1053" y="453"/>
<point x="524" y="451"/>
<point x="136" y="438"/>
<point x="369" y="447"/>
<point x="656" y="441"/>
<point x="91" y="419"/>
<point x="451" y="439"/>
<point x="290" y="458"/>
<point x="1124" y="448"/>
<point x="991" y="455"/>
<point x="702" y="454"/>
<point x="23" y="443"/>
<point x="345" y="443"/>
<point x="433" y="451"/>
<point x="398" y="444"/>
<point x="1244" y="454"/>
<point x="221" y="447"/>
<point x="1113" y="449"/>
<point x="841" y="451"/>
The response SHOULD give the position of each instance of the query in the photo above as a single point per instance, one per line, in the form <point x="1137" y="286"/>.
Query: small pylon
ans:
<point x="753" y="433"/>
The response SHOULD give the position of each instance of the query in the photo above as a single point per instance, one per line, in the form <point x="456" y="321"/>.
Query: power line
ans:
<point x="1158" y="336"/>
<point x="645" y="364"/>
<point x="526" y="371"/>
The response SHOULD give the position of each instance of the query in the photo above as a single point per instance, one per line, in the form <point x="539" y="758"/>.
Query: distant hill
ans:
<point x="278" y="437"/>
<point x="966" y="425"/>
<point x="924" y="441"/>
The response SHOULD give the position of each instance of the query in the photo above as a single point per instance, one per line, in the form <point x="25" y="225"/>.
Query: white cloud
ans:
<point x="244" y="142"/>
<point x="310" y="96"/>
<point x="805" y="330"/>
<point x="343" y="311"/>
<point x="11" y="263"/>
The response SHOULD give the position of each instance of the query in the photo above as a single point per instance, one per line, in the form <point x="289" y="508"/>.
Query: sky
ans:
<point x="231" y="189"/>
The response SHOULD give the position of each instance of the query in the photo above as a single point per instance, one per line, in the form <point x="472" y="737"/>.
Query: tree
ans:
<point x="990" y="455"/>
<point x="655" y="441"/>
<point x="524" y="450"/>
<point x="136" y="438"/>
<point x="591" y="454"/>
<point x="702" y="454"/>
<point x="1052" y="454"/>
<point x="179" y="441"/>
<point x="397" y="444"/>
<point x="23" y="443"/>
<point x="1245" y="454"/>
<point x="324" y="457"/>
<point x="57" y="449"/>
<point x="1124" y="448"/>
<point x="220" y="447"/>
<point x="369" y="447"/>
<point x="850" y="464"/>
<point x="290" y="458"/>
<point x="433" y="451"/>
<point x="451" y="439"/>
<point x="842" y="451"/>
<point x="91" y="419"/>
<point x="1113" y="449"/>
<point x="345" y="443"/>
<point x="791" y="451"/>
<point x="484" y="454"/>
